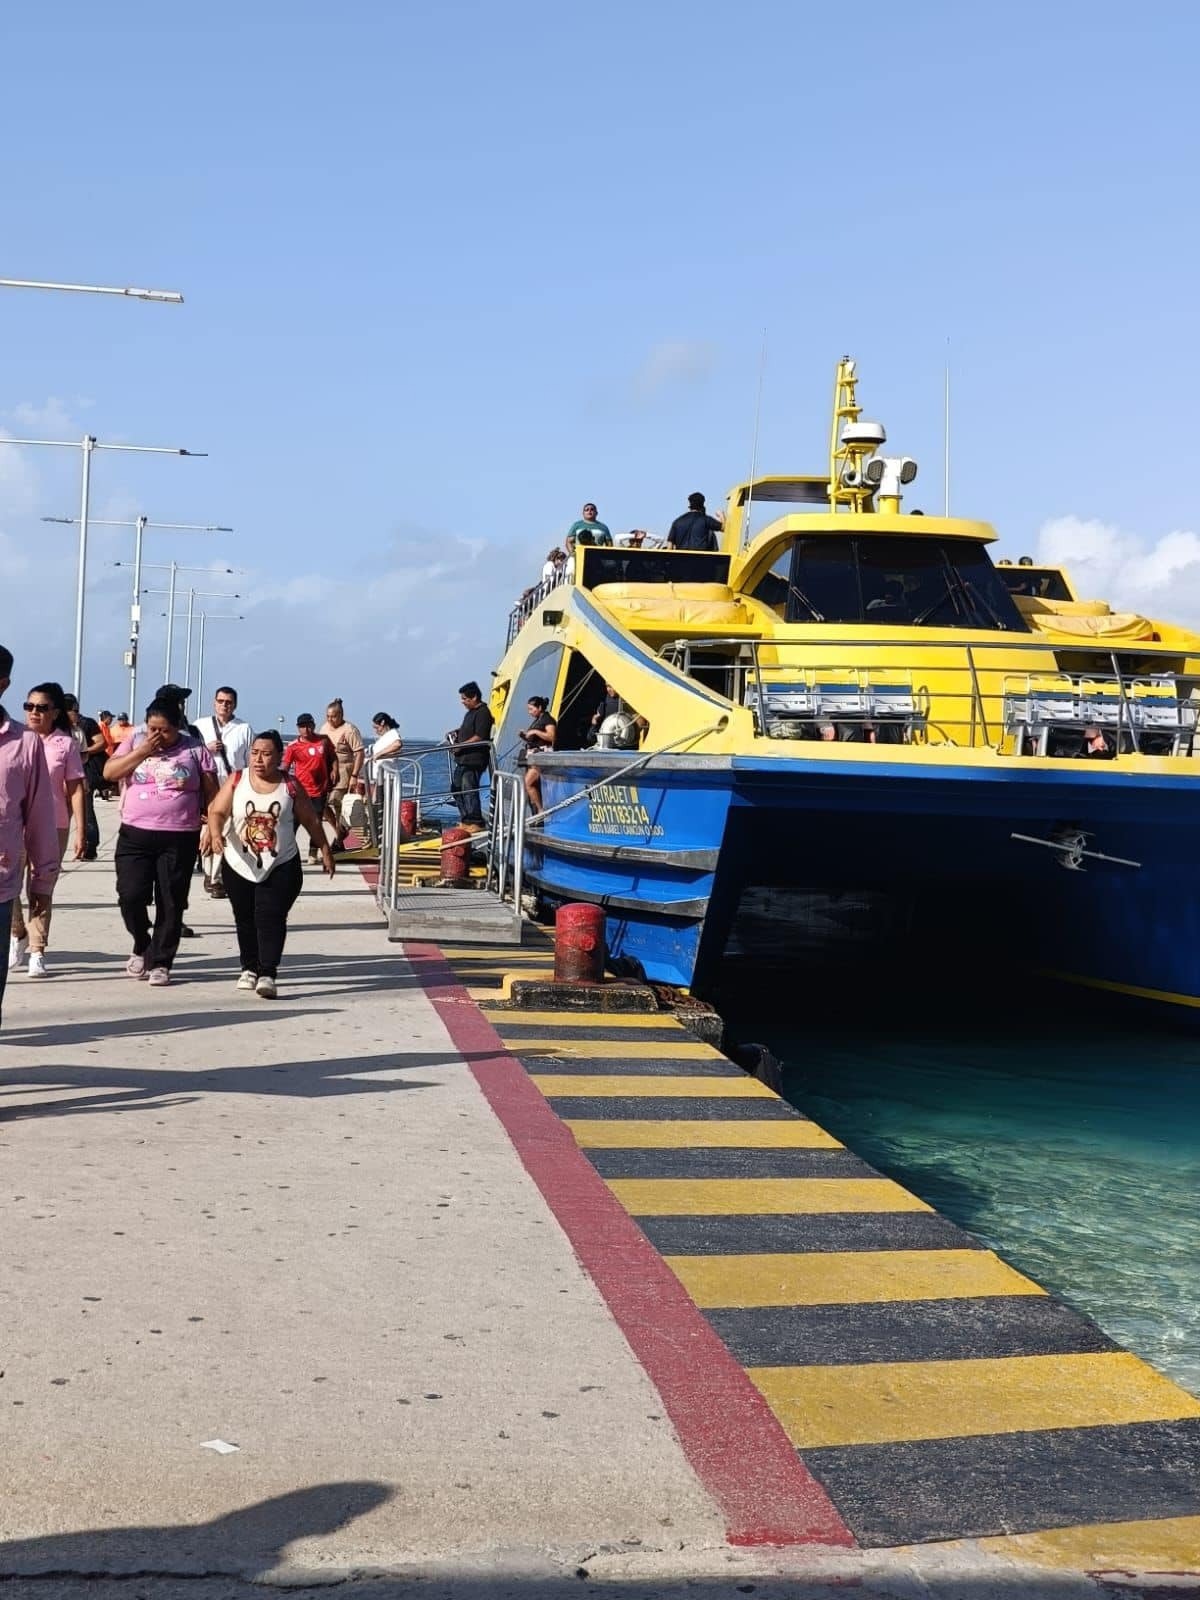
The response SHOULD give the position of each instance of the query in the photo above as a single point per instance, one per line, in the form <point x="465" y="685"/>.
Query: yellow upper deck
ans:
<point x="825" y="592"/>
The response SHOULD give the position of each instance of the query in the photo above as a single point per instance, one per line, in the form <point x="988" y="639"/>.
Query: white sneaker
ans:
<point x="266" y="988"/>
<point x="247" y="980"/>
<point x="135" y="967"/>
<point x="159" y="977"/>
<point x="37" y="965"/>
<point x="18" y="953"/>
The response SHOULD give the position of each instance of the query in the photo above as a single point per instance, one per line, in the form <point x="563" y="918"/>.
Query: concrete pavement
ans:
<point x="297" y="1227"/>
<point x="294" y="1226"/>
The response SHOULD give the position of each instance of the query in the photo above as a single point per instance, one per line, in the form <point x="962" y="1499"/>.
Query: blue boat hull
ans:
<point x="670" y="850"/>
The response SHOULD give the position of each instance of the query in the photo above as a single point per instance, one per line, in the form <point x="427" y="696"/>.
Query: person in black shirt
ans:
<point x="86" y="733"/>
<point x="539" y="735"/>
<point x="695" y="529"/>
<point x="470" y="763"/>
<point x="608" y="707"/>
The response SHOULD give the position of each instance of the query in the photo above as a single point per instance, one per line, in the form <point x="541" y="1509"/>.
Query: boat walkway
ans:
<point x="382" y="1285"/>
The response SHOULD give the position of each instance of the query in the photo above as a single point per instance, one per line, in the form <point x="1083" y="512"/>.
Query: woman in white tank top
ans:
<point x="252" y="824"/>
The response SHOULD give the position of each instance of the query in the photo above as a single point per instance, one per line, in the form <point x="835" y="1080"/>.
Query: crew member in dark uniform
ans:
<point x="695" y="529"/>
<point x="470" y="763"/>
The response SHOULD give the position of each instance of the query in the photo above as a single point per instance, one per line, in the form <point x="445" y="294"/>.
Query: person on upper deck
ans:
<point x="696" y="529"/>
<point x="590" y="523"/>
<point x="553" y="564"/>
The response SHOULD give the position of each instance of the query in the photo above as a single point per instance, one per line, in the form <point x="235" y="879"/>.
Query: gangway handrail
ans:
<point x="507" y="822"/>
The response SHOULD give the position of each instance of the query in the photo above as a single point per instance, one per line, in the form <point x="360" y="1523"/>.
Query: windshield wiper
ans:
<point x="981" y="601"/>
<point x="949" y="593"/>
<point x="800" y="595"/>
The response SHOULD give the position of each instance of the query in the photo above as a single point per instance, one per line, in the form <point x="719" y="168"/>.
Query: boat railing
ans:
<point x="854" y="688"/>
<point x="532" y="598"/>
<point x="426" y="777"/>
<point x="387" y="775"/>
<point x="506" y="836"/>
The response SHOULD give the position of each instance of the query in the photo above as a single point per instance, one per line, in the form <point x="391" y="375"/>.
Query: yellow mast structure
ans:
<point x="851" y="444"/>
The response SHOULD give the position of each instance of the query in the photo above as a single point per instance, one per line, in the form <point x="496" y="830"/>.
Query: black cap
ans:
<point x="171" y="691"/>
<point x="306" y="720"/>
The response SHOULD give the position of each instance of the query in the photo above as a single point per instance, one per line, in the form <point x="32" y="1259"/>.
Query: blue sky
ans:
<point x="452" y="270"/>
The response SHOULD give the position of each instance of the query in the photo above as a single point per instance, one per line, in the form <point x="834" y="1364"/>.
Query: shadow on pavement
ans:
<point x="300" y="977"/>
<point x="244" y="1543"/>
<point x="232" y="1557"/>
<point x="160" y="1024"/>
<point x="145" y="1088"/>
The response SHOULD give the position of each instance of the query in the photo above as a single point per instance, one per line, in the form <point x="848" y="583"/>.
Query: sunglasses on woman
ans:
<point x="37" y="705"/>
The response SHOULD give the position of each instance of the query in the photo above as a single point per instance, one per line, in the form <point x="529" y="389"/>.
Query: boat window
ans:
<point x="823" y="585"/>
<point x="772" y="587"/>
<point x="602" y="565"/>
<point x="903" y="582"/>
<point x="1041" y="583"/>
<point x="539" y="675"/>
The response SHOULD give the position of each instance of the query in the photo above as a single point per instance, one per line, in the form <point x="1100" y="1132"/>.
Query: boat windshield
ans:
<point x="894" y="582"/>
<point x="603" y="565"/>
<point x="1042" y="583"/>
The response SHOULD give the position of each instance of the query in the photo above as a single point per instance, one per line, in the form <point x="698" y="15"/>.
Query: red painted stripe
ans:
<point x="734" y="1443"/>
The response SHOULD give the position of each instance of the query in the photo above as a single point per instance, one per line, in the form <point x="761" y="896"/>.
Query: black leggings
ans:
<point x="260" y="912"/>
<point x="154" y="865"/>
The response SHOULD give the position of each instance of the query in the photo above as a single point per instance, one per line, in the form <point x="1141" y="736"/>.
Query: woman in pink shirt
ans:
<point x="46" y="715"/>
<point x="168" y="780"/>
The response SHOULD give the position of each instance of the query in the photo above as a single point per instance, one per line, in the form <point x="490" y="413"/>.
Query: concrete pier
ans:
<point x="368" y="1235"/>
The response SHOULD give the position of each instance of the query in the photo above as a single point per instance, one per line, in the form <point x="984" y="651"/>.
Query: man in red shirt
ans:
<point x="312" y="761"/>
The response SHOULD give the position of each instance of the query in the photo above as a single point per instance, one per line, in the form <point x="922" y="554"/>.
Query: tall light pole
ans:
<point x="193" y="596"/>
<point x="88" y="444"/>
<point x="141" y="523"/>
<point x="168" y="297"/>
<point x="205" y="618"/>
<point x="175" y="569"/>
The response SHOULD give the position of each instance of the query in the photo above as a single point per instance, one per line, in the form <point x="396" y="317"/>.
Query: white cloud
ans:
<point x="1159" y="576"/>
<point x="52" y="419"/>
<point x="682" y="363"/>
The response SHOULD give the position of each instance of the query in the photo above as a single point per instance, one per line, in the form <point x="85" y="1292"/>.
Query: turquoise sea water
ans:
<point x="1068" y="1141"/>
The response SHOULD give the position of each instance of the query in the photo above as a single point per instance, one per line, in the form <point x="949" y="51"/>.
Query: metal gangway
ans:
<point x="487" y="914"/>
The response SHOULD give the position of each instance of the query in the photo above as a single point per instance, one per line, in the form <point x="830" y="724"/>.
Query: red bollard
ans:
<point x="456" y="854"/>
<point x="579" y="944"/>
<point x="408" y="818"/>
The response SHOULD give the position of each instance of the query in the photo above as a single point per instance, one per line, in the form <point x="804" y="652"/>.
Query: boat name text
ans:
<point x="617" y="808"/>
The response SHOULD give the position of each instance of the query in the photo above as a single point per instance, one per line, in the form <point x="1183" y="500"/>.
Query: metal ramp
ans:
<point x="487" y="914"/>
<point x="452" y="916"/>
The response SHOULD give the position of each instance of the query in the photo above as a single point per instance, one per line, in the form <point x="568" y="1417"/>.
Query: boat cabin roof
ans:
<point x="783" y="489"/>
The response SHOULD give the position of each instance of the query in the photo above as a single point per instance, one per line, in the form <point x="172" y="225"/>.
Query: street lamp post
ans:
<point x="135" y="611"/>
<point x="205" y="618"/>
<point x="87" y="445"/>
<point x="169" y="297"/>
<point x="193" y="595"/>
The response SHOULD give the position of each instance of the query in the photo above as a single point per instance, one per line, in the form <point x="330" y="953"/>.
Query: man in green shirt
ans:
<point x="591" y="523"/>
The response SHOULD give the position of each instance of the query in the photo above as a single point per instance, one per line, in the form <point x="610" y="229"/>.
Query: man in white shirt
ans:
<point x="229" y="737"/>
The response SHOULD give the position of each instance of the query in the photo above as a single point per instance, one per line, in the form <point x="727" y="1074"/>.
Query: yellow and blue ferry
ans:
<point x="853" y="698"/>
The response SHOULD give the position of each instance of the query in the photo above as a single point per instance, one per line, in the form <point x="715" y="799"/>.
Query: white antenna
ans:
<point x="946" y="422"/>
<point x="762" y="365"/>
